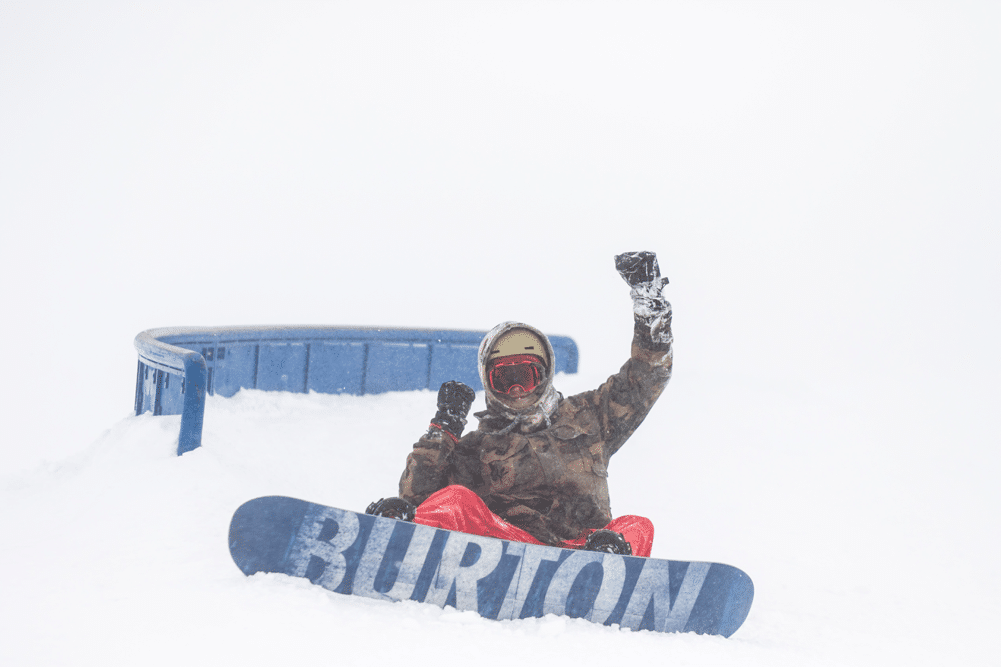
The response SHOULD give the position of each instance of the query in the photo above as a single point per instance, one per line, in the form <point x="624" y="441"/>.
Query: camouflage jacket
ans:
<point x="551" y="482"/>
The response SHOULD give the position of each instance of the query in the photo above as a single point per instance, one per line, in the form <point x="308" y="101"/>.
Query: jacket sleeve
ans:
<point x="427" y="468"/>
<point x="625" y="399"/>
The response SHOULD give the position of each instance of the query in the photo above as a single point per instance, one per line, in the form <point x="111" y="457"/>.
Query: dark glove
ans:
<point x="454" y="401"/>
<point x="394" y="508"/>
<point x="639" y="268"/>
<point x="651" y="310"/>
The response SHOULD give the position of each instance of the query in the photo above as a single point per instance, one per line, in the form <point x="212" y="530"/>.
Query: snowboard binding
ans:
<point x="609" y="542"/>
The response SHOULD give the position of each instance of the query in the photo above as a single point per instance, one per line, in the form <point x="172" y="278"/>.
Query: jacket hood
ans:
<point x="547" y="398"/>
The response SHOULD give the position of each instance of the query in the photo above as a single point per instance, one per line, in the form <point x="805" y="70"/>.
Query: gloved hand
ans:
<point x="394" y="508"/>
<point x="639" y="268"/>
<point x="652" y="310"/>
<point x="454" y="401"/>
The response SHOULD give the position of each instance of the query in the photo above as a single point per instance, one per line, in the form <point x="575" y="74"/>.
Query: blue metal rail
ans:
<point x="178" y="367"/>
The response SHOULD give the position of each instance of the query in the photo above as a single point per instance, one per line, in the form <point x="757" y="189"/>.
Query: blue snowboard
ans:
<point x="375" y="557"/>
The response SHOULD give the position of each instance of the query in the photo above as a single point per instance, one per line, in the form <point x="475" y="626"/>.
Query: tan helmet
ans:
<point x="519" y="341"/>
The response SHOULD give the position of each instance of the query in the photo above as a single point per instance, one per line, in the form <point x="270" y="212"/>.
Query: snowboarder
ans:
<point x="535" y="470"/>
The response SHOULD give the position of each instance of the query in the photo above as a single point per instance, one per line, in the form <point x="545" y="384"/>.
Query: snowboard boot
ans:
<point x="393" y="508"/>
<point x="609" y="542"/>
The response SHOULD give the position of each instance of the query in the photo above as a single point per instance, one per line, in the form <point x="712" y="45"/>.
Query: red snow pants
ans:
<point x="457" y="508"/>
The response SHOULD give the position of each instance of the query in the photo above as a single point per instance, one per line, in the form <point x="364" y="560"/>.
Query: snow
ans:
<point x="819" y="182"/>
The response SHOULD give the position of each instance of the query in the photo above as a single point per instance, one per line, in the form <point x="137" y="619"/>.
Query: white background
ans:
<point x="820" y="182"/>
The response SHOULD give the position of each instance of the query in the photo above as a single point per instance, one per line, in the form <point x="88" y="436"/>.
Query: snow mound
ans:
<point x="120" y="553"/>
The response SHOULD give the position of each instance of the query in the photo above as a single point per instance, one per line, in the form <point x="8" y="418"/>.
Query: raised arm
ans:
<point x="428" y="464"/>
<point x="626" y="398"/>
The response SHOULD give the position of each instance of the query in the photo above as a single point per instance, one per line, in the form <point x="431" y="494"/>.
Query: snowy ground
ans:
<point x="819" y="180"/>
<point x="121" y="550"/>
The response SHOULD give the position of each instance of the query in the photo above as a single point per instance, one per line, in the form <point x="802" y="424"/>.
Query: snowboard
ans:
<point x="386" y="559"/>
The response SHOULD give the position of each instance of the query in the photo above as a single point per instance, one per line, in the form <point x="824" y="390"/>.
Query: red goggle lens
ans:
<point x="521" y="370"/>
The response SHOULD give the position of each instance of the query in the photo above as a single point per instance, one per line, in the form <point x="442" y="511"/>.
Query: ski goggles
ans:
<point x="519" y="370"/>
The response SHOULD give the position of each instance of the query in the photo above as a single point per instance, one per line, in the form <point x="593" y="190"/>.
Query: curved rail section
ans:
<point x="178" y="367"/>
